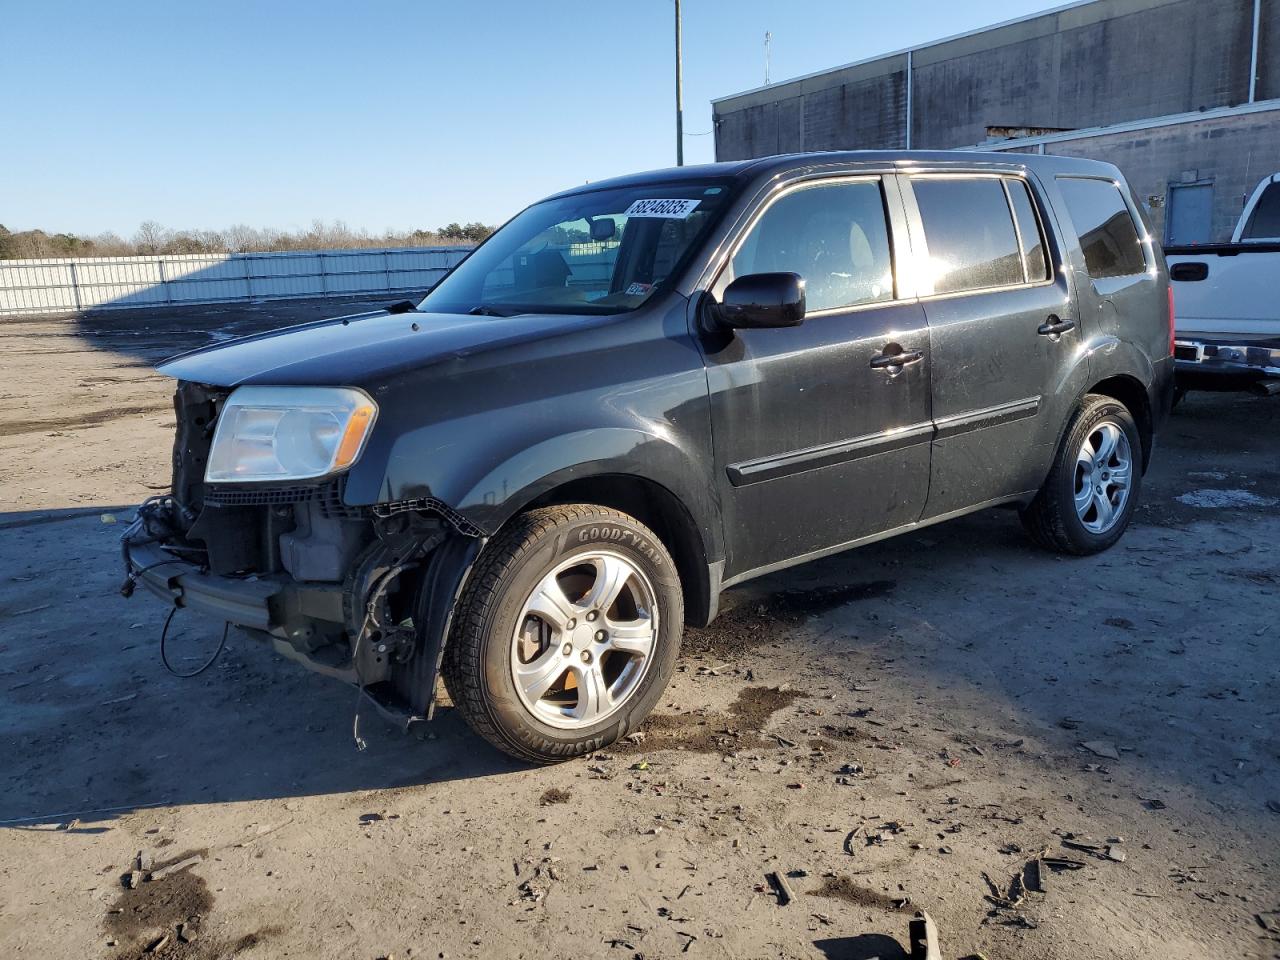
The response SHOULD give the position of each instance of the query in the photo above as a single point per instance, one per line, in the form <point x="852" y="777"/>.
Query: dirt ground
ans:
<point x="894" y="729"/>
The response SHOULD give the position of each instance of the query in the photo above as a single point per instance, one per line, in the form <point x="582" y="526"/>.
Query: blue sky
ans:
<point x="386" y="113"/>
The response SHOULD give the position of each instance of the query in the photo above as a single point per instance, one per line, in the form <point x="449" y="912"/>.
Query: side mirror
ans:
<point x="762" y="300"/>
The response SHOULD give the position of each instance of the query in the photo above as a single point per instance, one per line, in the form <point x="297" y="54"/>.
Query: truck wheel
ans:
<point x="567" y="633"/>
<point x="1089" y="496"/>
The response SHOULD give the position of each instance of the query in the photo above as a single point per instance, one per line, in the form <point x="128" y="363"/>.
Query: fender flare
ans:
<point x="617" y="451"/>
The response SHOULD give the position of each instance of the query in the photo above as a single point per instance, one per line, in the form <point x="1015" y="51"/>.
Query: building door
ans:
<point x="1189" y="216"/>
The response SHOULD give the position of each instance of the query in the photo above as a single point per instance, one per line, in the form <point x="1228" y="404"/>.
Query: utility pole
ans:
<point x="679" y="95"/>
<point x="768" y="38"/>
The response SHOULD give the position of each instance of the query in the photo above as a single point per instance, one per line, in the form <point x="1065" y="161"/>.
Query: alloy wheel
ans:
<point x="1104" y="474"/>
<point x="584" y="639"/>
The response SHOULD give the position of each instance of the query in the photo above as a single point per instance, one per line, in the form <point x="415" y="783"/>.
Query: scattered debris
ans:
<point x="1033" y="876"/>
<point x="853" y="835"/>
<point x="1102" y="748"/>
<point x="1093" y="849"/>
<point x="173" y="868"/>
<point x="923" y="934"/>
<point x="18" y="613"/>
<point x="554" y="795"/>
<point x="1058" y="864"/>
<point x="779" y="882"/>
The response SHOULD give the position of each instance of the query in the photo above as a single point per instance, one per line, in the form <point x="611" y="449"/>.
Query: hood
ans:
<point x="360" y="349"/>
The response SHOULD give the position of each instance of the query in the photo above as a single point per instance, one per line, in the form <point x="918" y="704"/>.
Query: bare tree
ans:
<point x="150" y="237"/>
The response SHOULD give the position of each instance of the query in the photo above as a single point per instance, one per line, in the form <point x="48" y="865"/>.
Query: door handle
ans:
<point x="1053" y="327"/>
<point x="887" y="360"/>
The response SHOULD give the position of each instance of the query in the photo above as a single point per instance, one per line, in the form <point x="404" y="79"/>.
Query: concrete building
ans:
<point x="1182" y="95"/>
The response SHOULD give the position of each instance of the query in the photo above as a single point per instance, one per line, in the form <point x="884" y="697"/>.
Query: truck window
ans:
<point x="1034" y="259"/>
<point x="1108" y="235"/>
<point x="832" y="234"/>
<point x="969" y="230"/>
<point x="1264" y="222"/>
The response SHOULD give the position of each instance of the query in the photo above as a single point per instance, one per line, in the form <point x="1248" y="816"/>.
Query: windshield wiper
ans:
<point x="484" y="310"/>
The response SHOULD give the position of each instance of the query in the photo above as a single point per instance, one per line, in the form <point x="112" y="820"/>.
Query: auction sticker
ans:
<point x="666" y="209"/>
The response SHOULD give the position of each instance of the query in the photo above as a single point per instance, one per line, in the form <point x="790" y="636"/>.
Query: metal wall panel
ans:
<point x="106" y="283"/>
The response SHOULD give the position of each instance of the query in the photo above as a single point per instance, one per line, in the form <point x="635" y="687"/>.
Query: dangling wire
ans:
<point x="164" y="636"/>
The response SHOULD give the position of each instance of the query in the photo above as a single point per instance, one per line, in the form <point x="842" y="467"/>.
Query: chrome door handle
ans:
<point x="1053" y="327"/>
<point x="886" y="360"/>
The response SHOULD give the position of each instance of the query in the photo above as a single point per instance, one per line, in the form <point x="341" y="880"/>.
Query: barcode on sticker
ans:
<point x="668" y="209"/>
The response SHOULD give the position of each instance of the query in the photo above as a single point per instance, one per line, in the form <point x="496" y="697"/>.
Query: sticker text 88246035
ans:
<point x="667" y="209"/>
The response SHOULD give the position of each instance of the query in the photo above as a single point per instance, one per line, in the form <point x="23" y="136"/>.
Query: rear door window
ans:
<point x="969" y="230"/>
<point x="1108" y="235"/>
<point x="834" y="235"/>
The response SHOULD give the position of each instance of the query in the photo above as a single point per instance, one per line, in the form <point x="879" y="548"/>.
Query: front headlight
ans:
<point x="289" y="433"/>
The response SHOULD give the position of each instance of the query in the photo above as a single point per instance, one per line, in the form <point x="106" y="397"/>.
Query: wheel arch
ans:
<point x="661" y="511"/>
<point x="1131" y="392"/>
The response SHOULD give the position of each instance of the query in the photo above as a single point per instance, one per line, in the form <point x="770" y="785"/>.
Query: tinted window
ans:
<point x="1033" y="248"/>
<point x="834" y="235"/>
<point x="969" y="230"/>
<point x="1108" y="236"/>
<point x="1264" y="222"/>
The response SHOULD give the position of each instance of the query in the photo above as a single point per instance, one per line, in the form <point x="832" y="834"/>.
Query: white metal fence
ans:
<point x="108" y="283"/>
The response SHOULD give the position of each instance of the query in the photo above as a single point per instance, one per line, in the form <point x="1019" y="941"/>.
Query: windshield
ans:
<point x="604" y="251"/>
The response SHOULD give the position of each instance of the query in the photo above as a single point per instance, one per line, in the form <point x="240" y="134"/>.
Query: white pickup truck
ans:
<point x="1227" y="302"/>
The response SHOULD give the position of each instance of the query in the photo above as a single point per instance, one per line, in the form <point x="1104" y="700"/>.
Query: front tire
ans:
<point x="566" y="634"/>
<point x="1089" y="496"/>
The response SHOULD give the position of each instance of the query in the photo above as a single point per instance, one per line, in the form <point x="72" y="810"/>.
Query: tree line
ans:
<point x="154" y="238"/>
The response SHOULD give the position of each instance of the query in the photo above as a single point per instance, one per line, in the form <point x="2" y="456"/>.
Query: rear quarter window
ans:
<point x="1108" y="236"/>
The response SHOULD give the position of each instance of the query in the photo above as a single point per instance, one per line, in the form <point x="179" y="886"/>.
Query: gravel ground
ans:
<point x="903" y="727"/>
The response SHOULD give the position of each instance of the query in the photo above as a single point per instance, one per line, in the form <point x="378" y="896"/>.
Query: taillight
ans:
<point x="1172" y="335"/>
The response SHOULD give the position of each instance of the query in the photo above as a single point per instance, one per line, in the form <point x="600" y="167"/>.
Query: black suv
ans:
<point x="642" y="391"/>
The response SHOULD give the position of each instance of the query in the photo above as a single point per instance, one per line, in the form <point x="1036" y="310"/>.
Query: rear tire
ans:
<point x="1089" y="496"/>
<point x="567" y="632"/>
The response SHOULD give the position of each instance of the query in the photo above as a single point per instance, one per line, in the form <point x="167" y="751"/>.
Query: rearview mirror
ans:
<point x="762" y="300"/>
<point x="603" y="229"/>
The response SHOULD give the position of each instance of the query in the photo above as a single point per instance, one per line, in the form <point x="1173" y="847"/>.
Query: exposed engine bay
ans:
<point x="359" y="593"/>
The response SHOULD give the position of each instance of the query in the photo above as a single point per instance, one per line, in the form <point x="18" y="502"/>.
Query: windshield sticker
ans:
<point x="666" y="209"/>
<point x="639" y="289"/>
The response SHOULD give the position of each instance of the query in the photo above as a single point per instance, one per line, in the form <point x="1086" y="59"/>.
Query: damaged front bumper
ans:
<point x="382" y="627"/>
<point x="363" y="594"/>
